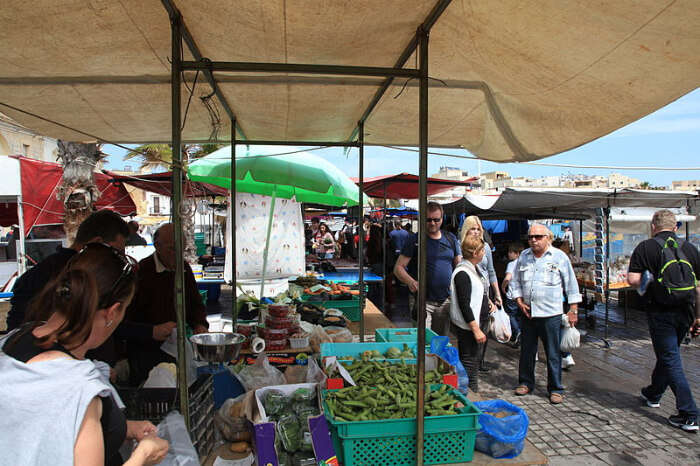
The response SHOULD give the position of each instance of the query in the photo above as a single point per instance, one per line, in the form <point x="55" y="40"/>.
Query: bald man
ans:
<point x="154" y="304"/>
<point x="540" y="278"/>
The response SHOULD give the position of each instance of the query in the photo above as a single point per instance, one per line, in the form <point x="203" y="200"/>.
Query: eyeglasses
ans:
<point x="129" y="268"/>
<point x="433" y="220"/>
<point x="537" y="237"/>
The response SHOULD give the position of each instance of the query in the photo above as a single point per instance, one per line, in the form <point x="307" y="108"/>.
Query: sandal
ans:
<point x="522" y="390"/>
<point x="556" y="398"/>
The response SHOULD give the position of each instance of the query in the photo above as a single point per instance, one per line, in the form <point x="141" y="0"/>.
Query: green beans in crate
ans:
<point x="448" y="439"/>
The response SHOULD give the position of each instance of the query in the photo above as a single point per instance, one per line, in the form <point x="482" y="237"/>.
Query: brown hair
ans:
<point x="433" y="206"/>
<point x="515" y="247"/>
<point x="97" y="277"/>
<point x="471" y="245"/>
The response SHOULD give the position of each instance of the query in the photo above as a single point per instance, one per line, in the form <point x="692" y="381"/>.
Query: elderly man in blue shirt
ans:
<point x="541" y="277"/>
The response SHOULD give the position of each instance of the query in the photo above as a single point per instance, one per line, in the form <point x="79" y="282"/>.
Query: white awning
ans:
<point x="10" y="187"/>
<point x="510" y="80"/>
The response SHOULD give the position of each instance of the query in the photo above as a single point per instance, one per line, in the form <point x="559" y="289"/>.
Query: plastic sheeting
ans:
<point x="511" y="80"/>
<point x="286" y="252"/>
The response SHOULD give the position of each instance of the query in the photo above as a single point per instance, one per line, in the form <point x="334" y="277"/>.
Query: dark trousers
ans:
<point x="513" y="311"/>
<point x="471" y="352"/>
<point x="667" y="330"/>
<point x="547" y="329"/>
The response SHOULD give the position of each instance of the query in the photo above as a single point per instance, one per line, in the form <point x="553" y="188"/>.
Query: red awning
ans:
<point x="405" y="186"/>
<point x="40" y="182"/>
<point x="161" y="183"/>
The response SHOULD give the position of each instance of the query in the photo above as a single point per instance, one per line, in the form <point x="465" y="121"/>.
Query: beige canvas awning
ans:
<point x="511" y="80"/>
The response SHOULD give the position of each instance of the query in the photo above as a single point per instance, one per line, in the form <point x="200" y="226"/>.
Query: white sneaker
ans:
<point x="567" y="362"/>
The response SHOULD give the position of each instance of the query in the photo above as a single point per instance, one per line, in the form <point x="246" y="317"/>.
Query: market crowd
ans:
<point x="542" y="297"/>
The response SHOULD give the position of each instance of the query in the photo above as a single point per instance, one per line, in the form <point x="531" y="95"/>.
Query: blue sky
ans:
<point x="669" y="137"/>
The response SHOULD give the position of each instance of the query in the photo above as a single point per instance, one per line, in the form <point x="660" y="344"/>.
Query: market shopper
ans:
<point x="472" y="226"/>
<point x="470" y="307"/>
<point x="154" y="305"/>
<point x="398" y="236"/>
<point x="57" y="407"/>
<point x="134" y="238"/>
<point x="443" y="254"/>
<point x="541" y="277"/>
<point x="324" y="243"/>
<point x="670" y="313"/>
<point x="510" y="306"/>
<point x="103" y="226"/>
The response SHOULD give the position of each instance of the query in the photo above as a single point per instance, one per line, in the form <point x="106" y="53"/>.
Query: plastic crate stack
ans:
<point x="152" y="404"/>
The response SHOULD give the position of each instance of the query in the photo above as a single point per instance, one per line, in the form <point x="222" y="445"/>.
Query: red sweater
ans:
<point x="154" y="301"/>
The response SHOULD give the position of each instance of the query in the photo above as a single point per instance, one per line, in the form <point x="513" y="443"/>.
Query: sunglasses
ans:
<point x="433" y="220"/>
<point x="537" y="237"/>
<point x="129" y="267"/>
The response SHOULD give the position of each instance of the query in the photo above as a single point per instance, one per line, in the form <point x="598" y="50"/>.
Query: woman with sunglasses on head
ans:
<point x="57" y="407"/>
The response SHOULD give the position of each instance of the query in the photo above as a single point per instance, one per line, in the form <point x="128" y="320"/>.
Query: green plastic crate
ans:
<point x="447" y="439"/>
<point x="403" y="335"/>
<point x="349" y="307"/>
<point x="356" y="349"/>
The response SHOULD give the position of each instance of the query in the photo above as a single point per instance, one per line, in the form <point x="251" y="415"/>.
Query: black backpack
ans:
<point x="676" y="280"/>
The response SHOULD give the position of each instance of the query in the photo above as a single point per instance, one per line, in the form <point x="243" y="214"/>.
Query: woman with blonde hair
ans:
<point x="470" y="307"/>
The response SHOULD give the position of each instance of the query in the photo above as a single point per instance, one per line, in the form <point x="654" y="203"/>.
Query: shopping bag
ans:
<point x="570" y="339"/>
<point x="260" y="374"/>
<point x="500" y="325"/>
<point x="438" y="345"/>
<point x="181" y="452"/>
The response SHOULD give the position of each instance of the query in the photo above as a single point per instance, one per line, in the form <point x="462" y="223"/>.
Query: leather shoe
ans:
<point x="522" y="390"/>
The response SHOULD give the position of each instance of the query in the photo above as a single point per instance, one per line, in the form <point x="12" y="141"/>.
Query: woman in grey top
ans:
<point x="58" y="409"/>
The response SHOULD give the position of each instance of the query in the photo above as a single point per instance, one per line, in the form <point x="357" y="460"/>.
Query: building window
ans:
<point x="25" y="150"/>
<point x="156" y="205"/>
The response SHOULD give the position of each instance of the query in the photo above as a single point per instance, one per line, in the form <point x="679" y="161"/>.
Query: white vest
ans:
<point x="476" y="298"/>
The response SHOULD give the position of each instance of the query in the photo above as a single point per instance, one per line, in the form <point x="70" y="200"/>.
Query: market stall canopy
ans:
<point x="513" y="80"/>
<point x="162" y="183"/>
<point x="405" y="186"/>
<point x="40" y="181"/>
<point x="564" y="203"/>
<point x="272" y="172"/>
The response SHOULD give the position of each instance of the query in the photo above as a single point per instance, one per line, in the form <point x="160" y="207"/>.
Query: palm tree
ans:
<point x="645" y="185"/>
<point x="156" y="156"/>
<point x="77" y="191"/>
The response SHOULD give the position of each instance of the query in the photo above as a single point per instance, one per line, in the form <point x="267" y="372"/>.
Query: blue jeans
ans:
<point x="548" y="329"/>
<point x="513" y="311"/>
<point x="667" y="330"/>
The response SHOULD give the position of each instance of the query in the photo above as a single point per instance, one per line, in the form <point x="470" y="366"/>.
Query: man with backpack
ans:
<point x="672" y="305"/>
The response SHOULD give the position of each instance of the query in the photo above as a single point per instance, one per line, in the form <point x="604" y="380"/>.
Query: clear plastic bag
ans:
<point x="570" y="339"/>
<point x="500" y="326"/>
<point x="231" y="422"/>
<point x="260" y="374"/>
<point x="501" y="437"/>
<point x="182" y="452"/>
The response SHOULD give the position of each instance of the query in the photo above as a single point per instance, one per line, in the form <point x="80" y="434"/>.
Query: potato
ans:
<point x="240" y="447"/>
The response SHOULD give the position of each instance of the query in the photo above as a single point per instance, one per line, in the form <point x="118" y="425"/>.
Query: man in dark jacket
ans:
<point x="154" y="305"/>
<point x="668" y="324"/>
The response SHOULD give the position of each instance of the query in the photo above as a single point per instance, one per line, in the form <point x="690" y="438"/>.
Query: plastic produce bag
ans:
<point x="570" y="339"/>
<point x="318" y="335"/>
<point x="169" y="346"/>
<point x="438" y="345"/>
<point x="501" y="437"/>
<point x="182" y="452"/>
<point x="500" y="326"/>
<point x="230" y="420"/>
<point x="259" y="375"/>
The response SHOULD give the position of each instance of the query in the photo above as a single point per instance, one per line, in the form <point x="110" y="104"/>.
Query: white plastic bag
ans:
<point x="169" y="346"/>
<point x="259" y="375"/>
<point x="182" y="452"/>
<point x="570" y="339"/>
<point x="500" y="326"/>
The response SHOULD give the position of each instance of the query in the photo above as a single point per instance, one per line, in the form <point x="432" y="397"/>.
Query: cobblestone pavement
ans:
<point x="602" y="420"/>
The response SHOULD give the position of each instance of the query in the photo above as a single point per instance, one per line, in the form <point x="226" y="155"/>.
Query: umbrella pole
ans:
<point x="232" y="240"/>
<point x="361" y="222"/>
<point x="267" y="239"/>
<point x="179" y="284"/>
<point x="384" y="272"/>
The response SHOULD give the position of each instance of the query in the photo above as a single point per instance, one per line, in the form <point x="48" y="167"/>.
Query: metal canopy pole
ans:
<point x="21" y="245"/>
<point x="422" y="36"/>
<point x="232" y="220"/>
<point x="607" y="342"/>
<point x="384" y="272"/>
<point x="361" y="223"/>
<point x="343" y="70"/>
<point x="175" y="22"/>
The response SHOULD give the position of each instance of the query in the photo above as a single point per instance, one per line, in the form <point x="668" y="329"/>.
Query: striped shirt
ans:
<point x="541" y="282"/>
